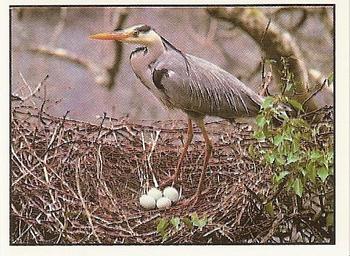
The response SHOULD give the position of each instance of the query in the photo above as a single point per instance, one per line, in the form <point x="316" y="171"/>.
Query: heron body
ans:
<point x="191" y="84"/>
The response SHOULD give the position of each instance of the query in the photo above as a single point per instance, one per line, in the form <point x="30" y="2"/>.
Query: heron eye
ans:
<point x="136" y="33"/>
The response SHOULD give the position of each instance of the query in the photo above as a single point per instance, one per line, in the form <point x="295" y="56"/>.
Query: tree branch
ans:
<point x="276" y="44"/>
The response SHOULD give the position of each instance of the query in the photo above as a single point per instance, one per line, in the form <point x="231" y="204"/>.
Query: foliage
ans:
<point x="288" y="152"/>
<point x="166" y="226"/>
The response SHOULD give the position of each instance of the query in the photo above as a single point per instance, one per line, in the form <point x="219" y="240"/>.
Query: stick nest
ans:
<point x="74" y="182"/>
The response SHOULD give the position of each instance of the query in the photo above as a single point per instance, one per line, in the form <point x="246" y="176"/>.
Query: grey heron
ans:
<point x="182" y="81"/>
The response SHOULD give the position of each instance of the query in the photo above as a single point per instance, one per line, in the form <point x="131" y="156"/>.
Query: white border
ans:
<point x="342" y="153"/>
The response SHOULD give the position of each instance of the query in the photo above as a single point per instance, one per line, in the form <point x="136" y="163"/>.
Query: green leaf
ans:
<point x="295" y="146"/>
<point x="331" y="78"/>
<point x="194" y="217"/>
<point x="298" y="187"/>
<point x="315" y="155"/>
<point x="251" y="150"/>
<point x="162" y="228"/>
<point x="281" y="175"/>
<point x="280" y="160"/>
<point x="270" y="158"/>
<point x="165" y="236"/>
<point x="197" y="222"/>
<point x="261" y="121"/>
<point x="311" y="172"/>
<point x="175" y="221"/>
<point x="322" y="172"/>
<point x="289" y="86"/>
<point x="289" y="184"/>
<point x="259" y="135"/>
<point x="277" y="140"/>
<point x="268" y="102"/>
<point x="187" y="222"/>
<point x="295" y="104"/>
<point x="162" y="225"/>
<point x="269" y="208"/>
<point x="330" y="219"/>
<point x="292" y="158"/>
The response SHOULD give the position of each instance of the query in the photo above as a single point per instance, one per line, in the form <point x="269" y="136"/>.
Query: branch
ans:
<point x="99" y="73"/>
<point x="276" y="44"/>
<point x="32" y="93"/>
<point x="118" y="51"/>
<point x="314" y="93"/>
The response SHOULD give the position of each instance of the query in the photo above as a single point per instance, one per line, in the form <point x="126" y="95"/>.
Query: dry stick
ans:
<point x="99" y="167"/>
<point x="32" y="92"/>
<point x="100" y="127"/>
<point x="68" y="56"/>
<point x="29" y="88"/>
<point x="315" y="92"/>
<point x="27" y="171"/>
<point x="274" y="195"/>
<point x="154" y="143"/>
<point x="266" y="78"/>
<point x="56" y="131"/>
<point x="255" y="196"/>
<point x="265" y="31"/>
<point x="88" y="214"/>
<point x="265" y="84"/>
<point x="275" y="225"/>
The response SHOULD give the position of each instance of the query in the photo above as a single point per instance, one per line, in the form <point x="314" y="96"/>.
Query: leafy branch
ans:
<point x="288" y="152"/>
<point x="166" y="227"/>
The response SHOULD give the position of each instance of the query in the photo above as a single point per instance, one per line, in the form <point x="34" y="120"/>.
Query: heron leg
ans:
<point x="175" y="177"/>
<point x="209" y="148"/>
<point x="184" y="151"/>
<point x="208" y="152"/>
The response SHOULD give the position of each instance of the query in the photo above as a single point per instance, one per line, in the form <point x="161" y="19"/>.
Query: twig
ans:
<point x="265" y="84"/>
<point x="315" y="92"/>
<point x="265" y="31"/>
<point x="32" y="93"/>
<point x="274" y="225"/>
<point x="88" y="215"/>
<point x="96" y="70"/>
<point x="100" y="127"/>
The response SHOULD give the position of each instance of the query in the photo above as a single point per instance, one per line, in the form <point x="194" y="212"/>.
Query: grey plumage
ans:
<point x="194" y="85"/>
<point x="205" y="89"/>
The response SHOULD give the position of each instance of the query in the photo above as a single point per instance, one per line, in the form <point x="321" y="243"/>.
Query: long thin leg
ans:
<point x="184" y="151"/>
<point x="209" y="148"/>
<point x="175" y="177"/>
<point x="208" y="152"/>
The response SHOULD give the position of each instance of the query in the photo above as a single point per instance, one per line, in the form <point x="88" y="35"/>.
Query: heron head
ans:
<point x="139" y="34"/>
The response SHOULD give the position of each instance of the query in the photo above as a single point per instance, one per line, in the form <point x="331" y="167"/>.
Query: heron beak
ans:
<point x="117" y="36"/>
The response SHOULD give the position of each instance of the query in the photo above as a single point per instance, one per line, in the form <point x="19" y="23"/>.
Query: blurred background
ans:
<point x="90" y="77"/>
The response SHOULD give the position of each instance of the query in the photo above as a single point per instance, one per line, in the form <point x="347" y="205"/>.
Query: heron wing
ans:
<point x="197" y="86"/>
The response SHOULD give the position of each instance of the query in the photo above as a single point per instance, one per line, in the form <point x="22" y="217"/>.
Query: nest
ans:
<point x="74" y="182"/>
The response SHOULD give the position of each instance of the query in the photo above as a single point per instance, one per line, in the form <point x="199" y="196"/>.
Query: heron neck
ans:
<point x="153" y="52"/>
<point x="141" y="61"/>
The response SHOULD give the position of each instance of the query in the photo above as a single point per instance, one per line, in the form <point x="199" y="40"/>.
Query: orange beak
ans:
<point x="117" y="36"/>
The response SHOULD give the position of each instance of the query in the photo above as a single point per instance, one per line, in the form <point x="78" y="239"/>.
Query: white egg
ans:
<point x="163" y="203"/>
<point x="155" y="193"/>
<point x="171" y="193"/>
<point x="147" y="202"/>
